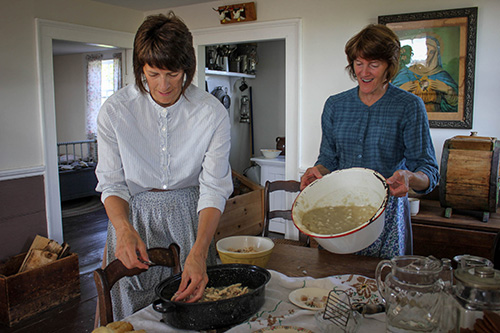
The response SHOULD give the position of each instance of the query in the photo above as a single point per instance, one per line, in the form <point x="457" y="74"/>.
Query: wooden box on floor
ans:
<point x="23" y="295"/>
<point x="244" y="213"/>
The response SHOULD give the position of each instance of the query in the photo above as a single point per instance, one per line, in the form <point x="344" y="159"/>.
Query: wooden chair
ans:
<point x="286" y="186"/>
<point x="107" y="277"/>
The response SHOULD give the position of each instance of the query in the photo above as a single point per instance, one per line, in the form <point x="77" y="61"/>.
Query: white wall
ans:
<point x="21" y="128"/>
<point x="269" y="95"/>
<point x="70" y="96"/>
<point x="327" y="25"/>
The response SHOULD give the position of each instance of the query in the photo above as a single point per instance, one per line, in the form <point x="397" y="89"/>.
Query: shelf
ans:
<point x="224" y="73"/>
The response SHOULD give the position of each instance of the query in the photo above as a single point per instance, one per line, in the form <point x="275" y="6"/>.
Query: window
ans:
<point x="103" y="79"/>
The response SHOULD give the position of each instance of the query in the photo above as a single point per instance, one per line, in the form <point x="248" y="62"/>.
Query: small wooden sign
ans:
<point x="242" y="12"/>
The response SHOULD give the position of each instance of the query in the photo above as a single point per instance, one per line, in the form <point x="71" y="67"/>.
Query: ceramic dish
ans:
<point x="284" y="329"/>
<point x="309" y="298"/>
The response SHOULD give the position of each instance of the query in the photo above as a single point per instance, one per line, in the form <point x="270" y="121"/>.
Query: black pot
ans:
<point x="218" y="314"/>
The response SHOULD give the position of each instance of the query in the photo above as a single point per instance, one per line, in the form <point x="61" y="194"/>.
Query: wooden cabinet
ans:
<point x="462" y="233"/>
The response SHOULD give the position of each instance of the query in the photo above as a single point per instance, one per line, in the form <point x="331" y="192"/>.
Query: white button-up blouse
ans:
<point x="144" y="146"/>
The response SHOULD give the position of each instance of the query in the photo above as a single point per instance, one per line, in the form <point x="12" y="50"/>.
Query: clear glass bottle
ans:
<point x="449" y="312"/>
<point x="447" y="274"/>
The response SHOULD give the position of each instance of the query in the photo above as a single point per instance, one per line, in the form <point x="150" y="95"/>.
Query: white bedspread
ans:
<point x="279" y="311"/>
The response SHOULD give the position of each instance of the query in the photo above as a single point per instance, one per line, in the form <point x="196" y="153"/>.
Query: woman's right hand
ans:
<point x="310" y="175"/>
<point x="130" y="249"/>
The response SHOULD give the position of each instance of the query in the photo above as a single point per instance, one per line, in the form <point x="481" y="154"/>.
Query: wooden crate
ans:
<point x="23" y="295"/>
<point x="244" y="213"/>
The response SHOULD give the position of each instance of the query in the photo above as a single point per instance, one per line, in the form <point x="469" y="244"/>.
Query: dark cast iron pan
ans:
<point x="218" y="314"/>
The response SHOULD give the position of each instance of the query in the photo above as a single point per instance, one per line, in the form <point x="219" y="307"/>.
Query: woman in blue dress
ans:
<point x="381" y="127"/>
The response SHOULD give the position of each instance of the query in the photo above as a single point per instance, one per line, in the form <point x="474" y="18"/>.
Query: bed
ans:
<point x="77" y="162"/>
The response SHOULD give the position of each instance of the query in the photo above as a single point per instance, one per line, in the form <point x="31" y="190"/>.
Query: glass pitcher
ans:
<point x="413" y="292"/>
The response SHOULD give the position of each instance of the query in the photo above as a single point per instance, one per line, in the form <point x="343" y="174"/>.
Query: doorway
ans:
<point x="255" y="84"/>
<point x="47" y="32"/>
<point x="289" y="31"/>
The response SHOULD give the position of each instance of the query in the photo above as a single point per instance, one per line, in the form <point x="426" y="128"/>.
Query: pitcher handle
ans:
<point x="378" y="275"/>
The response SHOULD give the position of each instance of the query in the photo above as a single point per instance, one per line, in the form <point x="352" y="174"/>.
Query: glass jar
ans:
<point x="477" y="292"/>
<point x="467" y="261"/>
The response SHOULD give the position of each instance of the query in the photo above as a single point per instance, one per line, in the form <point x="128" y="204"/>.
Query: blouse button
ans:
<point x="164" y="187"/>
<point x="359" y="156"/>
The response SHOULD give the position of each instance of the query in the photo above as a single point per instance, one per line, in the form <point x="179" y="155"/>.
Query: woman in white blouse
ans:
<point x="163" y="165"/>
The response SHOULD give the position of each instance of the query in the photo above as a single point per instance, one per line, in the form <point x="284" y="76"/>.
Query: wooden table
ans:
<point x="297" y="261"/>
<point x="293" y="261"/>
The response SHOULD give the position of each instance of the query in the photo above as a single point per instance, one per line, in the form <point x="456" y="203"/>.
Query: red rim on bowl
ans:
<point x="378" y="213"/>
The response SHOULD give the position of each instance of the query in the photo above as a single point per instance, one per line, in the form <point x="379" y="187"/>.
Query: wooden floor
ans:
<point x="86" y="234"/>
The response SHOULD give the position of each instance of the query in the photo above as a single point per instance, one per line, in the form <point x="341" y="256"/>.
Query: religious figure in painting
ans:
<point x="428" y="80"/>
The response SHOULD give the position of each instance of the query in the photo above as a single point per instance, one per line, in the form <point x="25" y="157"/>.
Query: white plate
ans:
<point x="283" y="329"/>
<point x="297" y="295"/>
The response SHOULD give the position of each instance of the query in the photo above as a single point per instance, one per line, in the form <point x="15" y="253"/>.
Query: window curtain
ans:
<point x="93" y="93"/>
<point x="117" y="71"/>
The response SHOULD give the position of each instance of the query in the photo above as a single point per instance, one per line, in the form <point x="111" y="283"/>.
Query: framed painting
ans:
<point x="437" y="62"/>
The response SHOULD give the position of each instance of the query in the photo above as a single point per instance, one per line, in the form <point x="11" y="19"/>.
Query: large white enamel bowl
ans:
<point x="354" y="186"/>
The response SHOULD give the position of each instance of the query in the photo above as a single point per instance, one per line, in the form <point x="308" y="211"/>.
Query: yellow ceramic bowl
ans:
<point x="251" y="250"/>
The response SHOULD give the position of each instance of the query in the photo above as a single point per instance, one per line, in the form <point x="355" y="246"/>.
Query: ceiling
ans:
<point x="61" y="47"/>
<point x="146" y="5"/>
<point x="65" y="47"/>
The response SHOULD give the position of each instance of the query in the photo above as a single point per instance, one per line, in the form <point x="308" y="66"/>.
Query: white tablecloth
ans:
<point x="279" y="311"/>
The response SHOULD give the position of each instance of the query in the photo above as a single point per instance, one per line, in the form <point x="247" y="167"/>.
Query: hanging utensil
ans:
<point x="222" y="96"/>
<point x="245" y="109"/>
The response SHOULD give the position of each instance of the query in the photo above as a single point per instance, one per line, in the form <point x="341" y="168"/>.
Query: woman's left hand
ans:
<point x="399" y="183"/>
<point x="402" y="180"/>
<point x="194" y="279"/>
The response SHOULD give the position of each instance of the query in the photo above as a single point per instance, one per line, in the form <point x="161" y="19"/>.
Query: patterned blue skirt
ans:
<point x="160" y="218"/>
<point x="396" y="238"/>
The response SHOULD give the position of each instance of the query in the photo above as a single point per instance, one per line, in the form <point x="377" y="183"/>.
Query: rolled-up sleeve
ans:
<point x="216" y="184"/>
<point x="420" y="154"/>
<point x="109" y="171"/>
<point x="327" y="153"/>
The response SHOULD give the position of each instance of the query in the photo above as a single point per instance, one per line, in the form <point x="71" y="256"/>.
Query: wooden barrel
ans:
<point x="470" y="174"/>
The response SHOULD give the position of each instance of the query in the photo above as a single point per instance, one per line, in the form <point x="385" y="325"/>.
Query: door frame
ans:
<point x="46" y="31"/>
<point x="290" y="30"/>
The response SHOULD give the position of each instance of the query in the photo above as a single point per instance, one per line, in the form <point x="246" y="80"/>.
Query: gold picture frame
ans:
<point x="437" y="62"/>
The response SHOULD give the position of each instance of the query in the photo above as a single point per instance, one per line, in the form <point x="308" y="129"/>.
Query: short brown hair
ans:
<point x="374" y="42"/>
<point x="164" y="42"/>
